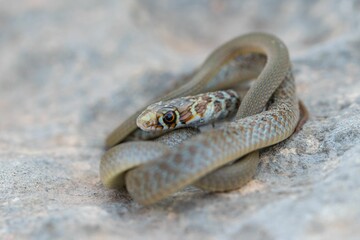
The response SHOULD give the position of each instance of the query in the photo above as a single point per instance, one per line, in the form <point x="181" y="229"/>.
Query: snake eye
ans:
<point x="169" y="117"/>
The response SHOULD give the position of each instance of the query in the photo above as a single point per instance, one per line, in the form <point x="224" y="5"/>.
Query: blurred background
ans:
<point x="69" y="66"/>
<point x="71" y="71"/>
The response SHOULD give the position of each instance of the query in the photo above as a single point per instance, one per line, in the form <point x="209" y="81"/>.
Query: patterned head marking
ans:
<point x="192" y="111"/>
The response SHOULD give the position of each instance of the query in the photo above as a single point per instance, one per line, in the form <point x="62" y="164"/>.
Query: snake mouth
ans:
<point x="155" y="128"/>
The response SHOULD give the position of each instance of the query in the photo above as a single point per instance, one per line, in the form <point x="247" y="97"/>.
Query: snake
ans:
<point x="220" y="159"/>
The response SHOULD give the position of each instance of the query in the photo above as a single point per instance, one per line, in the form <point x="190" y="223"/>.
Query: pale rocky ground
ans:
<point x="70" y="71"/>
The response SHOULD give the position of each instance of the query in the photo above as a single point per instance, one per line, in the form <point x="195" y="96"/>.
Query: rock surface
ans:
<point x="72" y="70"/>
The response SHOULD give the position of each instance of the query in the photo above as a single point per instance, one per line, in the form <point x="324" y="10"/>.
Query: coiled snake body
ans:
<point x="151" y="170"/>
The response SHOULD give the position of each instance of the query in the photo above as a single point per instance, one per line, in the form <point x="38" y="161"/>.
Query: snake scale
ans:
<point x="219" y="159"/>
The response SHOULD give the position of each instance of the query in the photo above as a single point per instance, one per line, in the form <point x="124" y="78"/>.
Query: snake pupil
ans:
<point x="169" y="117"/>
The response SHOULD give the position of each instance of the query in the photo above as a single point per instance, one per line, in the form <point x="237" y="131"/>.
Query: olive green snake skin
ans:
<point x="269" y="113"/>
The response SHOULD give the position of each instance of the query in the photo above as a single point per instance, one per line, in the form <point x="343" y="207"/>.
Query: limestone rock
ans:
<point x="72" y="70"/>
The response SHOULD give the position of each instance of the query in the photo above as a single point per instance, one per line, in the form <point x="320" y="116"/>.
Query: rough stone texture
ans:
<point x="72" y="70"/>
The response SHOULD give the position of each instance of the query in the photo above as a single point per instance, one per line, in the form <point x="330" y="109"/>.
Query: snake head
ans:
<point x="191" y="111"/>
<point x="157" y="117"/>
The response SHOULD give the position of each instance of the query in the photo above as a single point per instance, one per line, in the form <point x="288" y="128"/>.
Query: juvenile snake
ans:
<point x="151" y="170"/>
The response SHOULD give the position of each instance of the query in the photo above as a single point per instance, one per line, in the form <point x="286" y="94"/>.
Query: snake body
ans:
<point x="151" y="170"/>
